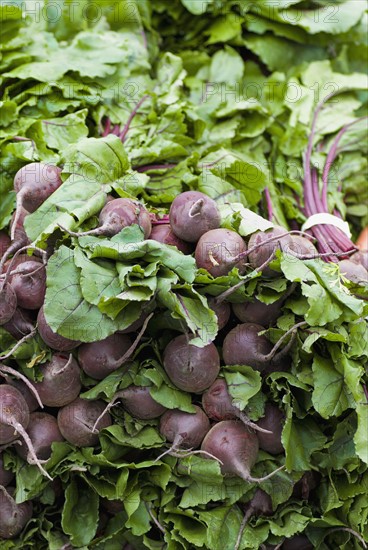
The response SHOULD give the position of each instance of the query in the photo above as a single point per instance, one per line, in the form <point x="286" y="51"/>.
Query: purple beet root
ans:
<point x="163" y="233"/>
<point x="191" y="368"/>
<point x="273" y="421"/>
<point x="51" y="339"/>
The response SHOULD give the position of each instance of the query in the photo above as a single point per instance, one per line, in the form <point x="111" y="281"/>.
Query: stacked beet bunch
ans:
<point x="209" y="373"/>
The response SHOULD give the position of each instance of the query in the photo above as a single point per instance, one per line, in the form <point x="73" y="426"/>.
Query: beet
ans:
<point x="8" y="302"/>
<point x="236" y="447"/>
<point x="360" y="258"/>
<point x="192" y="214"/>
<point x="300" y="246"/>
<point x="258" y="312"/>
<point x="14" y="420"/>
<point x="222" y="311"/>
<point x="29" y="284"/>
<point x="13" y="517"/>
<point x="273" y="421"/>
<point x="20" y="324"/>
<point x="185" y="430"/>
<point x="265" y="252"/>
<point x="77" y="420"/>
<point x="217" y="404"/>
<point x="33" y="184"/>
<point x="259" y="505"/>
<point x="61" y="381"/>
<point x="43" y="430"/>
<point x="354" y="272"/>
<point x="138" y="402"/>
<point x="244" y="346"/>
<point x="51" y="339"/>
<point x="217" y="251"/>
<point x="189" y="367"/>
<point x="163" y="233"/>
<point x="99" y="359"/>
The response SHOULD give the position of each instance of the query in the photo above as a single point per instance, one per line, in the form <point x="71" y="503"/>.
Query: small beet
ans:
<point x="20" y="324"/>
<point x="243" y="345"/>
<point x="163" y="233"/>
<point x="192" y="214"/>
<point x="266" y="249"/>
<point x="273" y="421"/>
<point x="8" y="302"/>
<point x="222" y="311"/>
<point x="218" y="405"/>
<point x="236" y="447"/>
<point x="189" y="367"/>
<point x="138" y="402"/>
<point x="51" y="339"/>
<point x="184" y="430"/>
<point x="217" y="251"/>
<point x="61" y="382"/>
<point x="354" y="272"/>
<point x="29" y="284"/>
<point x="258" y="312"/>
<point x="77" y="421"/>
<point x="43" y="430"/>
<point x="99" y="359"/>
<point x="360" y="258"/>
<point x="26" y="392"/>
<point x="13" y="517"/>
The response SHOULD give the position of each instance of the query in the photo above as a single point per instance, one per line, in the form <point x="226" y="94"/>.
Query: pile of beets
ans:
<point x="33" y="415"/>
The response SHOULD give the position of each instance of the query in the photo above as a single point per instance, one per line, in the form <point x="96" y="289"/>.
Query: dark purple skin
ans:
<point x="356" y="273"/>
<point x="61" y="381"/>
<point x="299" y="542"/>
<point x="192" y="214"/>
<point x="4" y="243"/>
<point x="99" y="359"/>
<point x="8" y="302"/>
<point x="305" y="485"/>
<point x="35" y="182"/>
<point x="120" y="213"/>
<point x="190" y="427"/>
<point x="51" y="339"/>
<point x="43" y="430"/>
<point x="113" y="506"/>
<point x="20" y="324"/>
<point x="360" y="258"/>
<point x="273" y="421"/>
<point x="6" y="476"/>
<point x="190" y="368"/>
<point x="244" y="346"/>
<point x="13" y="408"/>
<point x="257" y="312"/>
<point x="216" y="249"/>
<point x="222" y="310"/>
<point x="217" y="403"/>
<point x="30" y="284"/>
<point x="259" y="505"/>
<point x="300" y="246"/>
<point x="13" y="517"/>
<point x="232" y="443"/>
<point x="138" y="402"/>
<point x="163" y="233"/>
<point x="76" y="422"/>
<point x="26" y="392"/>
<point x="258" y="257"/>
